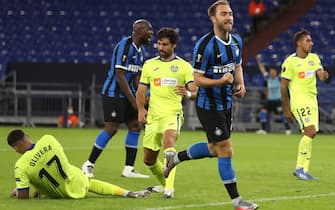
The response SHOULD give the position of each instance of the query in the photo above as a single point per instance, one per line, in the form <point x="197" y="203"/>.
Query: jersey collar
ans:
<point x="225" y="43"/>
<point x="174" y="57"/>
<point x="31" y="147"/>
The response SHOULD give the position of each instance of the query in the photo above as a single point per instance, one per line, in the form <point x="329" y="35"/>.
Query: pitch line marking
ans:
<point x="260" y="200"/>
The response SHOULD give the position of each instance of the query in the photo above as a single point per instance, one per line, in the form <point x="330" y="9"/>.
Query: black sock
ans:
<point x="130" y="156"/>
<point x="95" y="153"/>
<point x="232" y="190"/>
<point x="287" y="126"/>
<point x="182" y="156"/>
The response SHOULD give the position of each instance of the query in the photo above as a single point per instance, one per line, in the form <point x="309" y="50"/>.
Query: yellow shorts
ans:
<point x="307" y="113"/>
<point x="155" y="129"/>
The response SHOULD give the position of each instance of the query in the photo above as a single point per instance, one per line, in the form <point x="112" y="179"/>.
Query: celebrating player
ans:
<point x="166" y="76"/>
<point x="118" y="98"/>
<point x="298" y="74"/>
<point x="45" y="166"/>
<point x="217" y="64"/>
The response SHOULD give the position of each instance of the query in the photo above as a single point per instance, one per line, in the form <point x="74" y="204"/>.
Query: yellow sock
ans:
<point x="157" y="171"/>
<point x="105" y="188"/>
<point x="304" y="153"/>
<point x="170" y="180"/>
<point x="309" y="154"/>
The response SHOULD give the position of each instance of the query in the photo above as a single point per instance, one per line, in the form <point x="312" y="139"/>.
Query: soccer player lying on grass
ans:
<point x="45" y="166"/>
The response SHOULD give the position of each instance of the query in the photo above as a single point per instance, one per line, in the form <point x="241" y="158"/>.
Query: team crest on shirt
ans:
<point x="218" y="131"/>
<point x="174" y="68"/>
<point x="311" y="63"/>
<point x="307" y="119"/>
<point x="113" y="114"/>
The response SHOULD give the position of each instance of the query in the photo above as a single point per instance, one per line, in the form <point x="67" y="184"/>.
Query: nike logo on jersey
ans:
<point x="218" y="56"/>
<point x="155" y="69"/>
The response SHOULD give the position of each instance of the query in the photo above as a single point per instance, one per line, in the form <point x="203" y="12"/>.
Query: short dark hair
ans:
<point x="212" y="9"/>
<point x="299" y="35"/>
<point x="169" y="33"/>
<point x="15" y="136"/>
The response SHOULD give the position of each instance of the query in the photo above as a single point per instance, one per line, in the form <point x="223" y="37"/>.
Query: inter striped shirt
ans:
<point x="215" y="57"/>
<point x="127" y="56"/>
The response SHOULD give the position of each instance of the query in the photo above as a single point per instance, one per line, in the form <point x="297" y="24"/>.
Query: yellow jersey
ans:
<point x="301" y="72"/>
<point x="162" y="77"/>
<point x="46" y="167"/>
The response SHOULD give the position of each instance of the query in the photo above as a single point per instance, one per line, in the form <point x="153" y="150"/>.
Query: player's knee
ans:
<point x="110" y="129"/>
<point x="224" y="148"/>
<point x="133" y="125"/>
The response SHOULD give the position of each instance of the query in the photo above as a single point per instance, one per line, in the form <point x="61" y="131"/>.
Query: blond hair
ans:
<point x="212" y="8"/>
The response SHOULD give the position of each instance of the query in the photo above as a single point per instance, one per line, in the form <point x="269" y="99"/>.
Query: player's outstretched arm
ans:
<point x="260" y="64"/>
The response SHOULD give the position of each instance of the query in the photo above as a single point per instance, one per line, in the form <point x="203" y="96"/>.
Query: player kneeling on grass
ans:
<point x="45" y="166"/>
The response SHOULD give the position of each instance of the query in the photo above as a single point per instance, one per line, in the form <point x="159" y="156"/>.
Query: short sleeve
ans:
<point x="145" y="76"/>
<point x="318" y="63"/>
<point x="121" y="54"/>
<point x="200" y="59"/>
<point x="286" y="70"/>
<point x="188" y="73"/>
<point x="21" y="179"/>
<point x="239" y="49"/>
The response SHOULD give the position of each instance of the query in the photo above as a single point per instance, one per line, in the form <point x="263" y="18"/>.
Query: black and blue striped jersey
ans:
<point x="126" y="56"/>
<point x="214" y="57"/>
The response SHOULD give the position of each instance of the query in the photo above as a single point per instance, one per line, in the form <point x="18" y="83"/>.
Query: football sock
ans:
<point x="227" y="175"/>
<point x="95" y="153"/>
<point x="304" y="153"/>
<point x="105" y="188"/>
<point x="263" y="118"/>
<point x="169" y="181"/>
<point x="100" y="143"/>
<point x="131" y="147"/>
<point x="157" y="171"/>
<point x="199" y="150"/>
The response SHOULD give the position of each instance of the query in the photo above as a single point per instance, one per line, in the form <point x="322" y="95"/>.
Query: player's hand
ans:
<point x="180" y="90"/>
<point x="288" y="115"/>
<point x="240" y="91"/>
<point x="227" y="78"/>
<point x="142" y="116"/>
<point x="13" y="194"/>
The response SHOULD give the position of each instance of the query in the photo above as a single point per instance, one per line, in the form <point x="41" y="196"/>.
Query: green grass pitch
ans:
<point x="263" y="165"/>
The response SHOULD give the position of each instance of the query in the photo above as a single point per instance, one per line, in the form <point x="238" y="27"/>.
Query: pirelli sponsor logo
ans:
<point x="224" y="69"/>
<point x="306" y="74"/>
<point x="165" y="81"/>
<point x="134" y="68"/>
